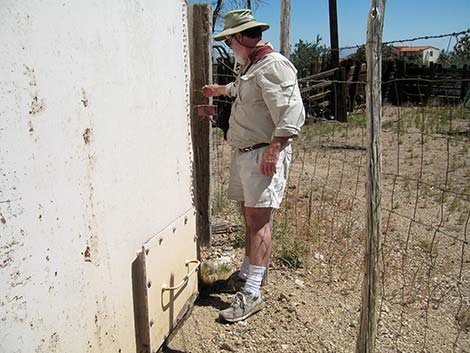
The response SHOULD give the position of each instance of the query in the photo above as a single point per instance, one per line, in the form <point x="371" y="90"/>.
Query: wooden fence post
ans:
<point x="341" y="96"/>
<point x="334" y="33"/>
<point x="370" y="290"/>
<point x="465" y="84"/>
<point x="200" y="49"/>
<point x="353" y="87"/>
<point x="285" y="28"/>
<point x="430" y="83"/>
<point x="400" y="87"/>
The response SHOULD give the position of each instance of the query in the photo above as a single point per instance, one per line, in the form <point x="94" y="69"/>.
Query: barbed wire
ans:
<point x="427" y="37"/>
<point x="426" y="206"/>
<point x="453" y="34"/>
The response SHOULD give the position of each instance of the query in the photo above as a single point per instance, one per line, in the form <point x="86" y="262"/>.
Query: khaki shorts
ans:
<point x="248" y="185"/>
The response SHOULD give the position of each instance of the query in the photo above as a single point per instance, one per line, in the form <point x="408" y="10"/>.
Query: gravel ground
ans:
<point x="316" y="308"/>
<point x="304" y="314"/>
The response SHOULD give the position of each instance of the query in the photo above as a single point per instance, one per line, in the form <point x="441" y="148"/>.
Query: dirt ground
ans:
<point x="313" y="292"/>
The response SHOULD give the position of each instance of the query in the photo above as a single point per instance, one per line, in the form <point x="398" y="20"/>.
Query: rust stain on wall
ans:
<point x="87" y="254"/>
<point x="84" y="99"/>
<point x="49" y="344"/>
<point x="91" y="252"/>
<point x="13" y="305"/>
<point x="37" y="104"/>
<point x="87" y="135"/>
<point x="104" y="323"/>
<point x="7" y="251"/>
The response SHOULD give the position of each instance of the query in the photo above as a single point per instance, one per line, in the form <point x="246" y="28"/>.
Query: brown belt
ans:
<point x="254" y="147"/>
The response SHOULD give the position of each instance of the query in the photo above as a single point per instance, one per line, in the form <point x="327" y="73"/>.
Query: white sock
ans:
<point x="243" y="274"/>
<point x="255" y="277"/>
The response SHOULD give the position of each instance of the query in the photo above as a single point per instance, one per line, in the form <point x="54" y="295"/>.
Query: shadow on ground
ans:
<point x="169" y="350"/>
<point x="206" y="298"/>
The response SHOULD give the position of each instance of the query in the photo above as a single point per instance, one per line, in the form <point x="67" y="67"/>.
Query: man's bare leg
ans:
<point x="247" y="234"/>
<point x="249" y="300"/>
<point x="246" y="262"/>
<point x="258" y="223"/>
<point x="259" y="231"/>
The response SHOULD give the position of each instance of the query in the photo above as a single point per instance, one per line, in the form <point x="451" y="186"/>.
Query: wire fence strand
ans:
<point x="425" y="281"/>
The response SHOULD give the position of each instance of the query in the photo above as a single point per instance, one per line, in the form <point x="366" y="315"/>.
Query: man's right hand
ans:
<point x="213" y="90"/>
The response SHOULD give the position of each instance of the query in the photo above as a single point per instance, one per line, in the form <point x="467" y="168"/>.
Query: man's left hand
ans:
<point x="270" y="158"/>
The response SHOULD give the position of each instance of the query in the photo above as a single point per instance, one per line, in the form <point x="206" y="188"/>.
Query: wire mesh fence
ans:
<point x="426" y="195"/>
<point x="425" y="282"/>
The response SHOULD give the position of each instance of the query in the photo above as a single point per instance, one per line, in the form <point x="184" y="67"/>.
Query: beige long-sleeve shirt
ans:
<point x="267" y="104"/>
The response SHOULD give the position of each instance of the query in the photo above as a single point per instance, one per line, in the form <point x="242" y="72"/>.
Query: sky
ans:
<point x="403" y="19"/>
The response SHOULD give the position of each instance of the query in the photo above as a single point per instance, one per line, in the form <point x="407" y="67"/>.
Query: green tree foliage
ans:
<point x="414" y="58"/>
<point x="444" y="58"/>
<point x="459" y="56"/>
<point x="462" y="47"/>
<point x="360" y="54"/>
<point x="221" y="7"/>
<point x="309" y="56"/>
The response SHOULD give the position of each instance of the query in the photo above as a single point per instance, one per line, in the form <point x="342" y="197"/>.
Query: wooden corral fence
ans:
<point x="329" y="93"/>
<point x="332" y="93"/>
<point x="404" y="82"/>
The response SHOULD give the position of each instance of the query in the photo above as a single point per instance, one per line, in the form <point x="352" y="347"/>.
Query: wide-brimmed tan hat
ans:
<point x="237" y="21"/>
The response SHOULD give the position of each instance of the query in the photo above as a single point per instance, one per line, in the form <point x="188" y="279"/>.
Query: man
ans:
<point x="266" y="114"/>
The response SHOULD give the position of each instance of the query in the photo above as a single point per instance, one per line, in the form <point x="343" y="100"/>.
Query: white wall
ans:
<point x="95" y="159"/>
<point x="430" y="55"/>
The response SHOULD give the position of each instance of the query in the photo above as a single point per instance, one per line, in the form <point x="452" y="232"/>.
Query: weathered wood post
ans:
<point x="370" y="289"/>
<point x="465" y="83"/>
<point x="341" y="96"/>
<point x="353" y="86"/>
<point x="400" y="85"/>
<point x="334" y="33"/>
<point x="285" y="28"/>
<point x="200" y="29"/>
<point x="430" y="83"/>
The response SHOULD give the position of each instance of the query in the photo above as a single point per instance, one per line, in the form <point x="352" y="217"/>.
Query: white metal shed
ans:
<point x="96" y="168"/>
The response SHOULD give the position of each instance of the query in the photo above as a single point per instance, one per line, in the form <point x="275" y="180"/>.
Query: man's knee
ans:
<point x="257" y="218"/>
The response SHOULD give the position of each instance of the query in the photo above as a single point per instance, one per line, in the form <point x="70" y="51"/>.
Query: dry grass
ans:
<point x="425" y="218"/>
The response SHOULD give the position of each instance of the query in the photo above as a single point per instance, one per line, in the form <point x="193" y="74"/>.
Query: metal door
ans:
<point x="165" y="282"/>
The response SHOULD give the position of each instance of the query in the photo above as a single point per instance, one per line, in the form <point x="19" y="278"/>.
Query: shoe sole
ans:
<point x="258" y="308"/>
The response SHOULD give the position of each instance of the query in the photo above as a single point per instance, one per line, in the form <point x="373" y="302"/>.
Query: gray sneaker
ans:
<point x="243" y="306"/>
<point x="230" y="285"/>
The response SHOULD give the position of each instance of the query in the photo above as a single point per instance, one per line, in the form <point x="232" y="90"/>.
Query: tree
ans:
<point x="223" y="6"/>
<point x="459" y="56"/>
<point x="415" y="58"/>
<point x="308" y="57"/>
<point x="444" y="58"/>
<point x="360" y="54"/>
<point x="462" y="48"/>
